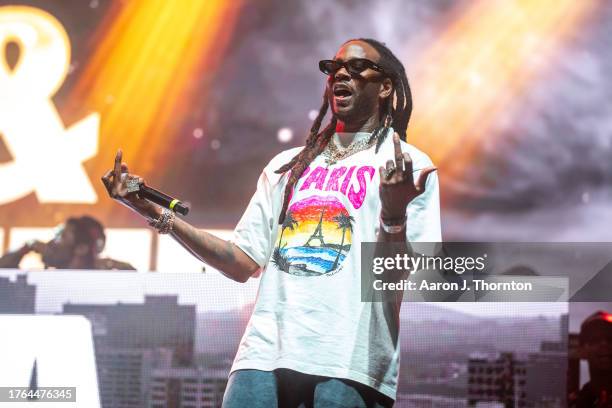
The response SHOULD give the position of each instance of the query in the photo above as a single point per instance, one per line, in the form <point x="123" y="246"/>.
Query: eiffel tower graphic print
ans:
<point x="318" y="232"/>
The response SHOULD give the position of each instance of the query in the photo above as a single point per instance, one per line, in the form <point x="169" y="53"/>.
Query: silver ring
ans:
<point x="389" y="173"/>
<point x="132" y="185"/>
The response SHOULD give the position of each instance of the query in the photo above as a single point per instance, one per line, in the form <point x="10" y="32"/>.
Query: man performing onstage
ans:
<point x="311" y="341"/>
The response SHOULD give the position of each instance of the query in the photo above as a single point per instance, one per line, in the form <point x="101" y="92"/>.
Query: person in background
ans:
<point x="77" y="245"/>
<point x="596" y="348"/>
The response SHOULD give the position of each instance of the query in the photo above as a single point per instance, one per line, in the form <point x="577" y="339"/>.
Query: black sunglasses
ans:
<point x="354" y="66"/>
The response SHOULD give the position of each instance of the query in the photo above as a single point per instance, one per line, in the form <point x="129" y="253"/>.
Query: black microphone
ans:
<point x="162" y="199"/>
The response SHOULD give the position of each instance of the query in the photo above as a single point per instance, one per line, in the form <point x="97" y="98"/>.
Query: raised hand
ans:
<point x="397" y="187"/>
<point x="36" y="246"/>
<point x="119" y="183"/>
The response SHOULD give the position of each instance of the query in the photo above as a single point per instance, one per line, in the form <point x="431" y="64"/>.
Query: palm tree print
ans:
<point x="290" y="223"/>
<point x="345" y="222"/>
<point x="281" y="261"/>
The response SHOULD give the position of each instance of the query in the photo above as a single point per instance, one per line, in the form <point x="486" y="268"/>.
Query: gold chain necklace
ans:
<point x="333" y="153"/>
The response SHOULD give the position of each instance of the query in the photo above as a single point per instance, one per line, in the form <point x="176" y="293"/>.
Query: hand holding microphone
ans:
<point x="131" y="190"/>
<point x="135" y="185"/>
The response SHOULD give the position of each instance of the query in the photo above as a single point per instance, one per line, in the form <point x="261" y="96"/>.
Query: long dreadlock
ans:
<point x="397" y="114"/>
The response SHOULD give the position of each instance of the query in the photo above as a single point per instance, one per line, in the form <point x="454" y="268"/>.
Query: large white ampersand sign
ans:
<point x="46" y="157"/>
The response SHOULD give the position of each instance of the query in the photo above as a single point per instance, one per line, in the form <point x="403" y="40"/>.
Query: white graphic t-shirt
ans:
<point x="309" y="316"/>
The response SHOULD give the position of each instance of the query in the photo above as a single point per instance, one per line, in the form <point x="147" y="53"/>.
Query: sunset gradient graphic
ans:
<point x="315" y="237"/>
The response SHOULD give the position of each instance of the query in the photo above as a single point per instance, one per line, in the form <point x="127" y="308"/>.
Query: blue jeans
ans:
<point x="284" y="388"/>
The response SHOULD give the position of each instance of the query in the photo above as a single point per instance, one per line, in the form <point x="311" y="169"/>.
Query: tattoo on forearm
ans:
<point x="228" y="252"/>
<point x="205" y="246"/>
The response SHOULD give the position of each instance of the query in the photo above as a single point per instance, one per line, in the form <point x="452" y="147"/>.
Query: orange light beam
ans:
<point x="479" y="67"/>
<point x="140" y="76"/>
